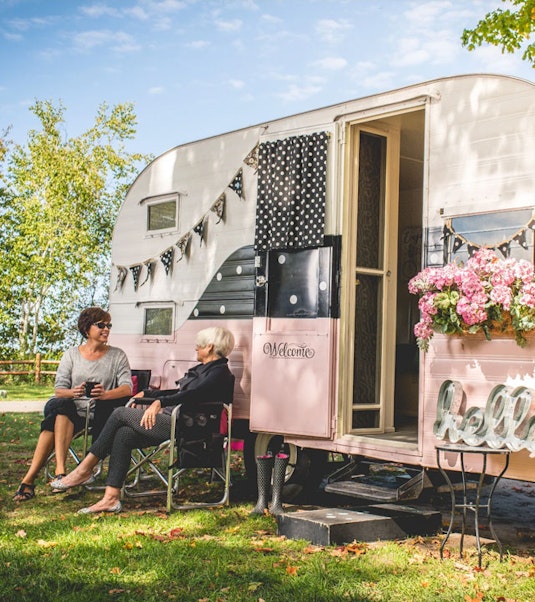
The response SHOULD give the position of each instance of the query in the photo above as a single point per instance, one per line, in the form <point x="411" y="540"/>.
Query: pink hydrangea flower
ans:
<point x="474" y="297"/>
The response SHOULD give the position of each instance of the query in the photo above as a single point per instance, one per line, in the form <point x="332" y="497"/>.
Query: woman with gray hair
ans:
<point x="133" y="427"/>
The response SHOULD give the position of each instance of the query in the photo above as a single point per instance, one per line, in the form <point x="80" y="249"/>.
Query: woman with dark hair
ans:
<point x="131" y="428"/>
<point x="103" y="368"/>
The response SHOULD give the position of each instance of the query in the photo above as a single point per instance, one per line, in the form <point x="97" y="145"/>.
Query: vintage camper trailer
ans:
<point x="301" y="235"/>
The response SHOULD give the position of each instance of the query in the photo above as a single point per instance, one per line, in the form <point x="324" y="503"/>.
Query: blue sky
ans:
<point x="197" y="68"/>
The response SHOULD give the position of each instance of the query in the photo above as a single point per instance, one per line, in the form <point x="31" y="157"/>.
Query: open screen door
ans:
<point x="292" y="363"/>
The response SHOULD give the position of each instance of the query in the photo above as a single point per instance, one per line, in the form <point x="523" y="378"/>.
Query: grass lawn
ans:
<point x="27" y="392"/>
<point x="48" y="552"/>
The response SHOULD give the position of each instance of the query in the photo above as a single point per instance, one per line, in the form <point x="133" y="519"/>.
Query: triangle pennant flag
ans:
<point x="520" y="238"/>
<point x="458" y="242"/>
<point x="472" y="249"/>
<point x="252" y="158"/>
<point x="183" y="246"/>
<point x="135" y="269"/>
<point x="149" y="265"/>
<point x="446" y="230"/>
<point x="121" y="275"/>
<point x="505" y="249"/>
<point x="219" y="207"/>
<point x="199" y="228"/>
<point x="237" y="184"/>
<point x="167" y="259"/>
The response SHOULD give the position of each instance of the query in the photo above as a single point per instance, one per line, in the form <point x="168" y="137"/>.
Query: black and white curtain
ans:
<point x="291" y="192"/>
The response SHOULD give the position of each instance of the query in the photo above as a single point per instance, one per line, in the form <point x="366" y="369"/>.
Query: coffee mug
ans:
<point x="89" y="387"/>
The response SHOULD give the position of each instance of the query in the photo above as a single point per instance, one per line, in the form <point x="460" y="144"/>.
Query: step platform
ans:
<point x="328" y="526"/>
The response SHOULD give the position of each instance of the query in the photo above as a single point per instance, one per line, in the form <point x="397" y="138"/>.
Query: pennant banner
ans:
<point x="252" y="158"/>
<point x="199" y="229"/>
<point x="504" y="246"/>
<point x="237" y="184"/>
<point x="219" y="207"/>
<point x="183" y="244"/>
<point x="149" y="265"/>
<point x="167" y="259"/>
<point x="121" y="277"/>
<point x="135" y="269"/>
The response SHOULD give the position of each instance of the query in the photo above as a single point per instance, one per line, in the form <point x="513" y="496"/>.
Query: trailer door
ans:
<point x="292" y="363"/>
<point x="369" y="314"/>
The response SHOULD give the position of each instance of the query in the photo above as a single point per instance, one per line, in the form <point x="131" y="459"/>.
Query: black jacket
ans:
<point x="204" y="382"/>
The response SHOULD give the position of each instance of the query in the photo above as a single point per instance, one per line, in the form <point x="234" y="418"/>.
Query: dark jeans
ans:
<point x="66" y="407"/>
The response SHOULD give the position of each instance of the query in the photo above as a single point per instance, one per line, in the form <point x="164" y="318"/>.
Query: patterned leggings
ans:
<point x="121" y="434"/>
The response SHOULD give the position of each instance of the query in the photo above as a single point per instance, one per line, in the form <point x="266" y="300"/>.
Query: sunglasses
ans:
<point x="103" y="325"/>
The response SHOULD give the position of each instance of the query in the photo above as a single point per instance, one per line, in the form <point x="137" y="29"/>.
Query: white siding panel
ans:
<point x="482" y="144"/>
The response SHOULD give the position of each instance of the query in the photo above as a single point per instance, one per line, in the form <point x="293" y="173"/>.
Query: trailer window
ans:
<point x="162" y="215"/>
<point x="158" y="321"/>
<point x="507" y="232"/>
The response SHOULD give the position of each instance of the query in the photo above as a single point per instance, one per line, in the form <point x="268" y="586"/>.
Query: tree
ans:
<point x="58" y="203"/>
<point x="507" y="29"/>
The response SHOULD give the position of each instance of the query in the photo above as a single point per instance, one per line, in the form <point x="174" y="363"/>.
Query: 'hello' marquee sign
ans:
<point x="504" y="422"/>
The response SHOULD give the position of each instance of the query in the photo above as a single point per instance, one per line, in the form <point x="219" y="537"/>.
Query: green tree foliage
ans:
<point x="509" y="29"/>
<point x="59" y="199"/>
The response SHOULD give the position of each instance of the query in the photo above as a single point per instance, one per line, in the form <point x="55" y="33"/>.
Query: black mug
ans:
<point x="89" y="387"/>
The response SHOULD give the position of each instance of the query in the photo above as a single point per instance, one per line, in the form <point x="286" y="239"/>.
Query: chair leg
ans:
<point x="264" y="468"/>
<point x="279" y="473"/>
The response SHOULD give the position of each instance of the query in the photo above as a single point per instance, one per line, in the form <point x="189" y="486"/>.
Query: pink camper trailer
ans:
<point x="301" y="235"/>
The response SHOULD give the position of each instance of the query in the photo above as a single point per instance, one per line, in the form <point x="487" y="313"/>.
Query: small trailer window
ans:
<point x="507" y="232"/>
<point x="162" y="215"/>
<point x="158" y="321"/>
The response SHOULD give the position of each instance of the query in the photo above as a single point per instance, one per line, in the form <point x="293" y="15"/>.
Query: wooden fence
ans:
<point x="38" y="367"/>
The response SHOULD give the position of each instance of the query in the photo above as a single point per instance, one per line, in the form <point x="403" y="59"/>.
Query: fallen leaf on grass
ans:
<point x="254" y="585"/>
<point x="115" y="570"/>
<point x="357" y="548"/>
<point x="313" y="549"/>
<point x="21" y="533"/>
<point x="291" y="570"/>
<point x="46" y="544"/>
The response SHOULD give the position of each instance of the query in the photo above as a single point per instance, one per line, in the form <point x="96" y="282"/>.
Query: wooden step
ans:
<point x="365" y="491"/>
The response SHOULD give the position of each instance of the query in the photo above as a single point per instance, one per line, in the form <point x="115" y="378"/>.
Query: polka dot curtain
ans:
<point x="291" y="192"/>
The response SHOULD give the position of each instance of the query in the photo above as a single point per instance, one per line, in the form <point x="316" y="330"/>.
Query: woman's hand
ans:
<point x="98" y="392"/>
<point x="149" y="415"/>
<point x="78" y="391"/>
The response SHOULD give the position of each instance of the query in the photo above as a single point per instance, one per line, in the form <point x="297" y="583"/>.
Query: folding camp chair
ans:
<point x="140" y="380"/>
<point x="198" y="439"/>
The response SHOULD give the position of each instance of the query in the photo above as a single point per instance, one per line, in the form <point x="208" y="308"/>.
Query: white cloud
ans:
<point x="163" y="6"/>
<point x="13" y="37"/>
<point x="27" y="24"/>
<point x="233" y="25"/>
<point x="198" y="44"/>
<point x="331" y="30"/>
<point x="297" y="93"/>
<point x="381" y="80"/>
<point x="99" y="10"/>
<point x="236" y="83"/>
<point x="155" y="90"/>
<point x="271" y="19"/>
<point x="116" y="40"/>
<point x="331" y="63"/>
<point x="137" y="12"/>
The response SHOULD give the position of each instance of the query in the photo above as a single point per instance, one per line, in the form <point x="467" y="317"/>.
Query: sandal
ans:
<point x="24" y="493"/>
<point x="58" y="477"/>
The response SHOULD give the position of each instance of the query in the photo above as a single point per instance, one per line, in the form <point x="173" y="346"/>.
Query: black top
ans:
<point x="204" y="382"/>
